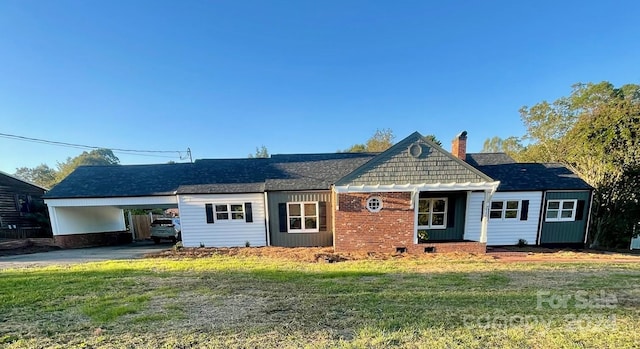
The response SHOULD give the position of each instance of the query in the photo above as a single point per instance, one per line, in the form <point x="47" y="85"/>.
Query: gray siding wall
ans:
<point x="323" y="238"/>
<point x="565" y="232"/>
<point x="454" y="231"/>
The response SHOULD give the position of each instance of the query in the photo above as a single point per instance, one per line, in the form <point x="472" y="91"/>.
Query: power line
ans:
<point x="115" y="150"/>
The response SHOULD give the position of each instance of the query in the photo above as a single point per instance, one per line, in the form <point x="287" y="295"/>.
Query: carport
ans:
<point x="96" y="221"/>
<point x="88" y="207"/>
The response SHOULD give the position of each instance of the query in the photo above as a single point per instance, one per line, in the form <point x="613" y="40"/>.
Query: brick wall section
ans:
<point x="358" y="230"/>
<point x="93" y="239"/>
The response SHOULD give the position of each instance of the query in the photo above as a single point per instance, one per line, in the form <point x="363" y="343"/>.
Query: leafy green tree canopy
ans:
<point x="261" y="152"/>
<point x="48" y="177"/>
<point x="42" y="175"/>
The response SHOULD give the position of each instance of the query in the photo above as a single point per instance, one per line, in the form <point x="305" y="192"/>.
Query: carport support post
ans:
<point x="131" y="226"/>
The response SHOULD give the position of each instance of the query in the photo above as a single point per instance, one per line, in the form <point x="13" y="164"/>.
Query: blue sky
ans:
<point x="223" y="77"/>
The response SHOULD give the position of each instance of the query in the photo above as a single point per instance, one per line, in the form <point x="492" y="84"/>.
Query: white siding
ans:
<point x="221" y="233"/>
<point x="82" y="220"/>
<point x="509" y="231"/>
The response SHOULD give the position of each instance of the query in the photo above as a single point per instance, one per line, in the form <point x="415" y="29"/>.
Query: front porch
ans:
<point x="414" y="219"/>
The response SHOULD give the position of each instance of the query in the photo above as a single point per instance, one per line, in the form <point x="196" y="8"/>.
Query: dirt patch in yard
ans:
<point x="541" y="254"/>
<point x="10" y="247"/>
<point x="300" y="254"/>
<point x="327" y="255"/>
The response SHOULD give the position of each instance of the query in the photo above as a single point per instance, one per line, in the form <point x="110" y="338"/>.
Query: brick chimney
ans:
<point x="459" y="146"/>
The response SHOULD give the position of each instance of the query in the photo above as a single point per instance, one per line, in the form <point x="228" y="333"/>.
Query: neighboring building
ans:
<point x="415" y="197"/>
<point x="19" y="202"/>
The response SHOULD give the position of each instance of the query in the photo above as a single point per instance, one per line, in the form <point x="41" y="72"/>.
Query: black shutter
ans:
<point x="524" y="211"/>
<point x="248" y="214"/>
<point x="580" y="210"/>
<point x="451" y="213"/>
<point x="209" y="209"/>
<point x="282" y="216"/>
<point x="481" y="210"/>
<point x="322" y="211"/>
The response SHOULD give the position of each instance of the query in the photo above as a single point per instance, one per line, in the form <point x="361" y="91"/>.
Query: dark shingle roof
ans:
<point x="282" y="172"/>
<point x="526" y="176"/>
<point x="121" y="180"/>
<point x="483" y="159"/>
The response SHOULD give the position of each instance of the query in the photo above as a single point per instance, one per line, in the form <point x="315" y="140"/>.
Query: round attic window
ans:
<point x="415" y="150"/>
<point x="374" y="204"/>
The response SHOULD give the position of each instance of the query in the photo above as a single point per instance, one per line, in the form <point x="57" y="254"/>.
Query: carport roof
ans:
<point x="280" y="172"/>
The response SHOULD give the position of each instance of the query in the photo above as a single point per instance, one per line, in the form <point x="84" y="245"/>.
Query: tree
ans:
<point x="261" y="152"/>
<point x="379" y="142"/>
<point x="594" y="131"/>
<point x="48" y="177"/>
<point x="511" y="146"/>
<point x="433" y="138"/>
<point x="97" y="157"/>
<point x="42" y="175"/>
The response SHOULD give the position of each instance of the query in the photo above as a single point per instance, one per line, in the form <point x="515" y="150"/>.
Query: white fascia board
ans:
<point x="114" y="201"/>
<point x="491" y="186"/>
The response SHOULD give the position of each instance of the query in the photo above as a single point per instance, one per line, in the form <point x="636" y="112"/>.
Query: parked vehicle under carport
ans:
<point x="165" y="229"/>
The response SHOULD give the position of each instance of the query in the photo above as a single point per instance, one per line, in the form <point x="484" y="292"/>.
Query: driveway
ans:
<point x="81" y="255"/>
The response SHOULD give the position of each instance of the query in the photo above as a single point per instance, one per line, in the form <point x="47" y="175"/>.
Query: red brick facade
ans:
<point x="359" y="230"/>
<point x="93" y="239"/>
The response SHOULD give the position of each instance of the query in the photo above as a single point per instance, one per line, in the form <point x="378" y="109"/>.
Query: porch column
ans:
<point x="488" y="195"/>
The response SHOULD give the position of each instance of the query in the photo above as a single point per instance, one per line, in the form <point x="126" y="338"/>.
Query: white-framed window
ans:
<point x="507" y="209"/>
<point x="229" y="212"/>
<point x="432" y="213"/>
<point x="561" y="210"/>
<point x="374" y="204"/>
<point x="302" y="217"/>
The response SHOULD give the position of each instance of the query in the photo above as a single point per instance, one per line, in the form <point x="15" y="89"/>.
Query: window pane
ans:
<point x="423" y="205"/>
<point x="566" y="214"/>
<point x="294" y="210"/>
<point x="423" y="219"/>
<point x="495" y="214"/>
<point x="221" y="208"/>
<point x="309" y="209"/>
<point x="567" y="205"/>
<point x="554" y="205"/>
<point x="437" y="219"/>
<point x="552" y="214"/>
<point x="237" y="215"/>
<point x="222" y="215"/>
<point x="310" y="223"/>
<point x="512" y="205"/>
<point x="295" y="223"/>
<point x="511" y="214"/>
<point x="236" y="208"/>
<point x="496" y="205"/>
<point x="438" y="205"/>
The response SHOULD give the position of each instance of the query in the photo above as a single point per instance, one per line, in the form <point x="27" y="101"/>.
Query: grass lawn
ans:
<point x="261" y="302"/>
